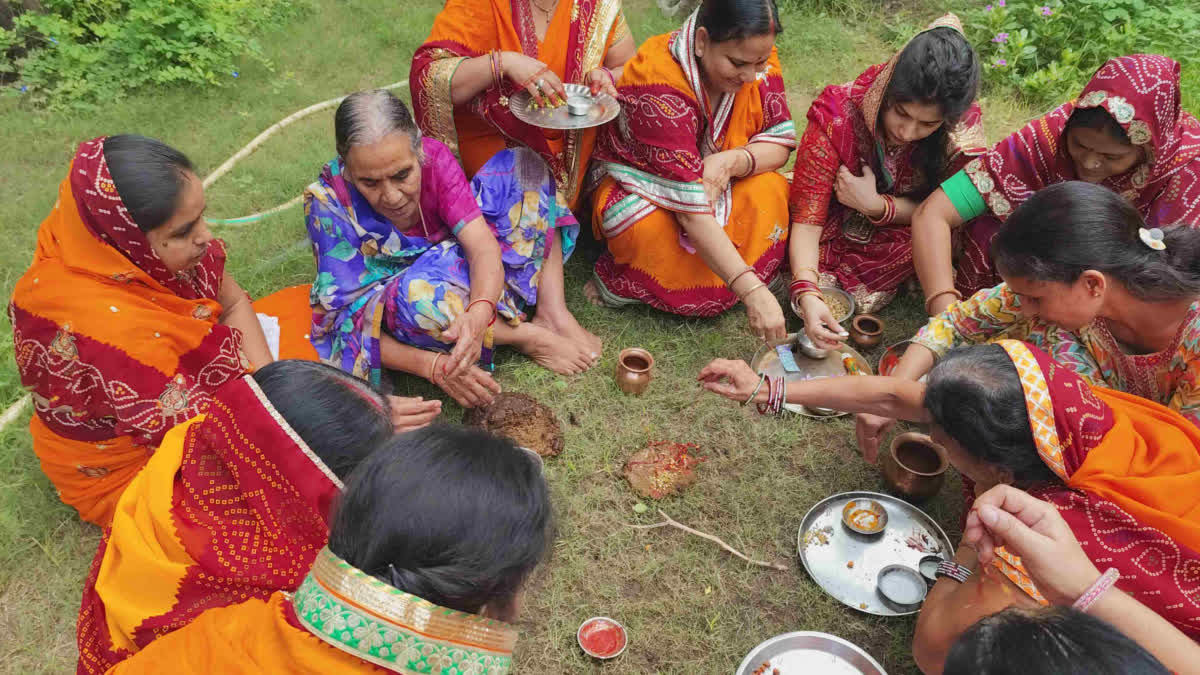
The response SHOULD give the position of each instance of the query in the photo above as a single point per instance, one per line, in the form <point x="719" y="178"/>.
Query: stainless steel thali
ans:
<point x="602" y="108"/>
<point x="767" y="361"/>
<point x="810" y="652"/>
<point x="826" y="557"/>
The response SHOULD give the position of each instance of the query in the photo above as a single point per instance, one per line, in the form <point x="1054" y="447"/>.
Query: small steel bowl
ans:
<point x="854" y="505"/>
<point x="928" y="567"/>
<point x="901" y="587"/>
<point x="809" y="349"/>
<point x="598" y="619"/>
<point x="828" y="291"/>
<point x="579" y="106"/>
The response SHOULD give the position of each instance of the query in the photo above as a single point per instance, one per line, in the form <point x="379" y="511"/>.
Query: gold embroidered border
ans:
<point x="408" y="611"/>
<point x="435" y="86"/>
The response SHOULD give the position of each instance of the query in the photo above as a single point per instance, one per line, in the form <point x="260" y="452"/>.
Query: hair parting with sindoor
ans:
<point x="367" y="116"/>
<point x="726" y="20"/>
<point x="1068" y="228"/>
<point x="338" y="416"/>
<point x="457" y="516"/>
<point x="937" y="67"/>
<point x="149" y="175"/>
<point x="974" y="394"/>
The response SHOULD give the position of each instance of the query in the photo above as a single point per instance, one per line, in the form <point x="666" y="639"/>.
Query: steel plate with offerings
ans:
<point x="766" y="360"/>
<point x="806" y="652"/>
<point x="846" y="565"/>
<point x="581" y="110"/>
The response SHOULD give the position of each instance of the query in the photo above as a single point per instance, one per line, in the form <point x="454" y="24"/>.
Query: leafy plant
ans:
<point x="82" y="53"/>
<point x="1046" y="50"/>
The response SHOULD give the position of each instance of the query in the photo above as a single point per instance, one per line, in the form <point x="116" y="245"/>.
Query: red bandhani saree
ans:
<point x="232" y="506"/>
<point x="1141" y="92"/>
<point x="652" y="157"/>
<point x="578" y="38"/>
<point x="867" y="260"/>
<point x="1131" y="484"/>
<point x="114" y="349"/>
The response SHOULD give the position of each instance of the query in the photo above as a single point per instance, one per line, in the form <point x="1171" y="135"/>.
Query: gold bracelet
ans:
<point x="433" y="367"/>
<point x="739" y="275"/>
<point x="935" y="296"/>
<point x="751" y="290"/>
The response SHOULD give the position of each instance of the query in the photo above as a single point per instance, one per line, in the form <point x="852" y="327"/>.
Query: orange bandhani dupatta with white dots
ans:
<point x="1131" y="492"/>
<point x="114" y="349"/>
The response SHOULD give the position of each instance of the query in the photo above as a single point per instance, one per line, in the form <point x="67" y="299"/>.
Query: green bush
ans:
<point x="1047" y="49"/>
<point x="84" y="53"/>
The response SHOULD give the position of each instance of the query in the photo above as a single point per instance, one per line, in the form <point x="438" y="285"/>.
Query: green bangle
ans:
<point x="761" y="379"/>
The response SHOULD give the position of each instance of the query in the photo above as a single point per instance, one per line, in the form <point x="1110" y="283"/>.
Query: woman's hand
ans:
<point x="600" y="81"/>
<point x="765" y="315"/>
<point x="528" y="71"/>
<point x="412" y="413"/>
<point x="466" y="332"/>
<point x="719" y="169"/>
<point x="735" y="380"/>
<point x="819" y="323"/>
<point x="473" y="388"/>
<point x="1034" y="530"/>
<point x="858" y="192"/>
<point x="870" y="430"/>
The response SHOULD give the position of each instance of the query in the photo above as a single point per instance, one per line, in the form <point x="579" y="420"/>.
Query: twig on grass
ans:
<point x="668" y="521"/>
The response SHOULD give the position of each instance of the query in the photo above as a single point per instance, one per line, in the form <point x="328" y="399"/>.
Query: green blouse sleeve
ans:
<point x="964" y="195"/>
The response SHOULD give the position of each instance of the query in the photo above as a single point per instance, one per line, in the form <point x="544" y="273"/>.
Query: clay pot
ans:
<point x="866" y="330"/>
<point x="633" y="370"/>
<point x="914" y="467"/>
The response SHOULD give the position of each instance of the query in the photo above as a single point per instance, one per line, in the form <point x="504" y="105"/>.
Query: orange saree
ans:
<point x="1131" y="484"/>
<point x="340" y="620"/>
<point x="653" y="160"/>
<point x="576" y="41"/>
<point x="233" y="505"/>
<point x="114" y="349"/>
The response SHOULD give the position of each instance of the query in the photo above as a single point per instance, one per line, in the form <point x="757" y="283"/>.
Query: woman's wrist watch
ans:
<point x="953" y="570"/>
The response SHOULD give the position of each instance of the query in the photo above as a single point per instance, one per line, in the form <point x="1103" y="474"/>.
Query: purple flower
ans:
<point x="24" y="88"/>
<point x="1046" y="11"/>
<point x="1001" y="62"/>
<point x="1001" y="38"/>
<point x="988" y="8"/>
<point x="1001" y="3"/>
<point x="234" y="73"/>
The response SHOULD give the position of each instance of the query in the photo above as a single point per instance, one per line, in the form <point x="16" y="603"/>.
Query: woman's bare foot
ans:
<point x="565" y="325"/>
<point x="591" y="291"/>
<point x="552" y="351"/>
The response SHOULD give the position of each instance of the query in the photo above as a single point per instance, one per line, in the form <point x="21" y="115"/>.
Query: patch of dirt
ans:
<point x="521" y="419"/>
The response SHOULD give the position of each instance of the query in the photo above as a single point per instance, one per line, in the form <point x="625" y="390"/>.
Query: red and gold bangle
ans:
<point x="802" y="285"/>
<point x="889" y="211"/>
<point x="613" y="78"/>
<point x="497" y="71"/>
<point x="764" y="407"/>
<point x="490" y="302"/>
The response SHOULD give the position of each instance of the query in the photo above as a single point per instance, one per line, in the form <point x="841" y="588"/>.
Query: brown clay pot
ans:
<point x="914" y="467"/>
<point x="634" y="366"/>
<point x="866" y="330"/>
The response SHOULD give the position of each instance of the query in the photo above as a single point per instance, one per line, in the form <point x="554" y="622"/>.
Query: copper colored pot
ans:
<point x="866" y="330"/>
<point x="914" y="467"/>
<point x="634" y="367"/>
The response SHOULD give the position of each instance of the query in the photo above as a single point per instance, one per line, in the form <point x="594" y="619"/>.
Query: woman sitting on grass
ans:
<point x="1087" y="282"/>
<point x="414" y="262"/>
<point x="1124" y="471"/>
<point x="234" y="504"/>
<point x="873" y="149"/>
<point x="693" y="211"/>
<point x="434" y="538"/>
<point x="127" y="321"/>
<point x="1126" y="131"/>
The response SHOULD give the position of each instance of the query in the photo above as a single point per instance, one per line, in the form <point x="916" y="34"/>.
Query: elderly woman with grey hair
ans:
<point x="420" y="271"/>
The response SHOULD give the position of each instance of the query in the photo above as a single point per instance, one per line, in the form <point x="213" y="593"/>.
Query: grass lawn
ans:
<point x="690" y="607"/>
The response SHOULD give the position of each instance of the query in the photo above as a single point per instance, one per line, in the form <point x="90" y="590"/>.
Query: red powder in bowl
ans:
<point x="601" y="637"/>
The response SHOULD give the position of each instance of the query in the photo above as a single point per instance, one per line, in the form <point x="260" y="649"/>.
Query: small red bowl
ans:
<point x="594" y="625"/>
